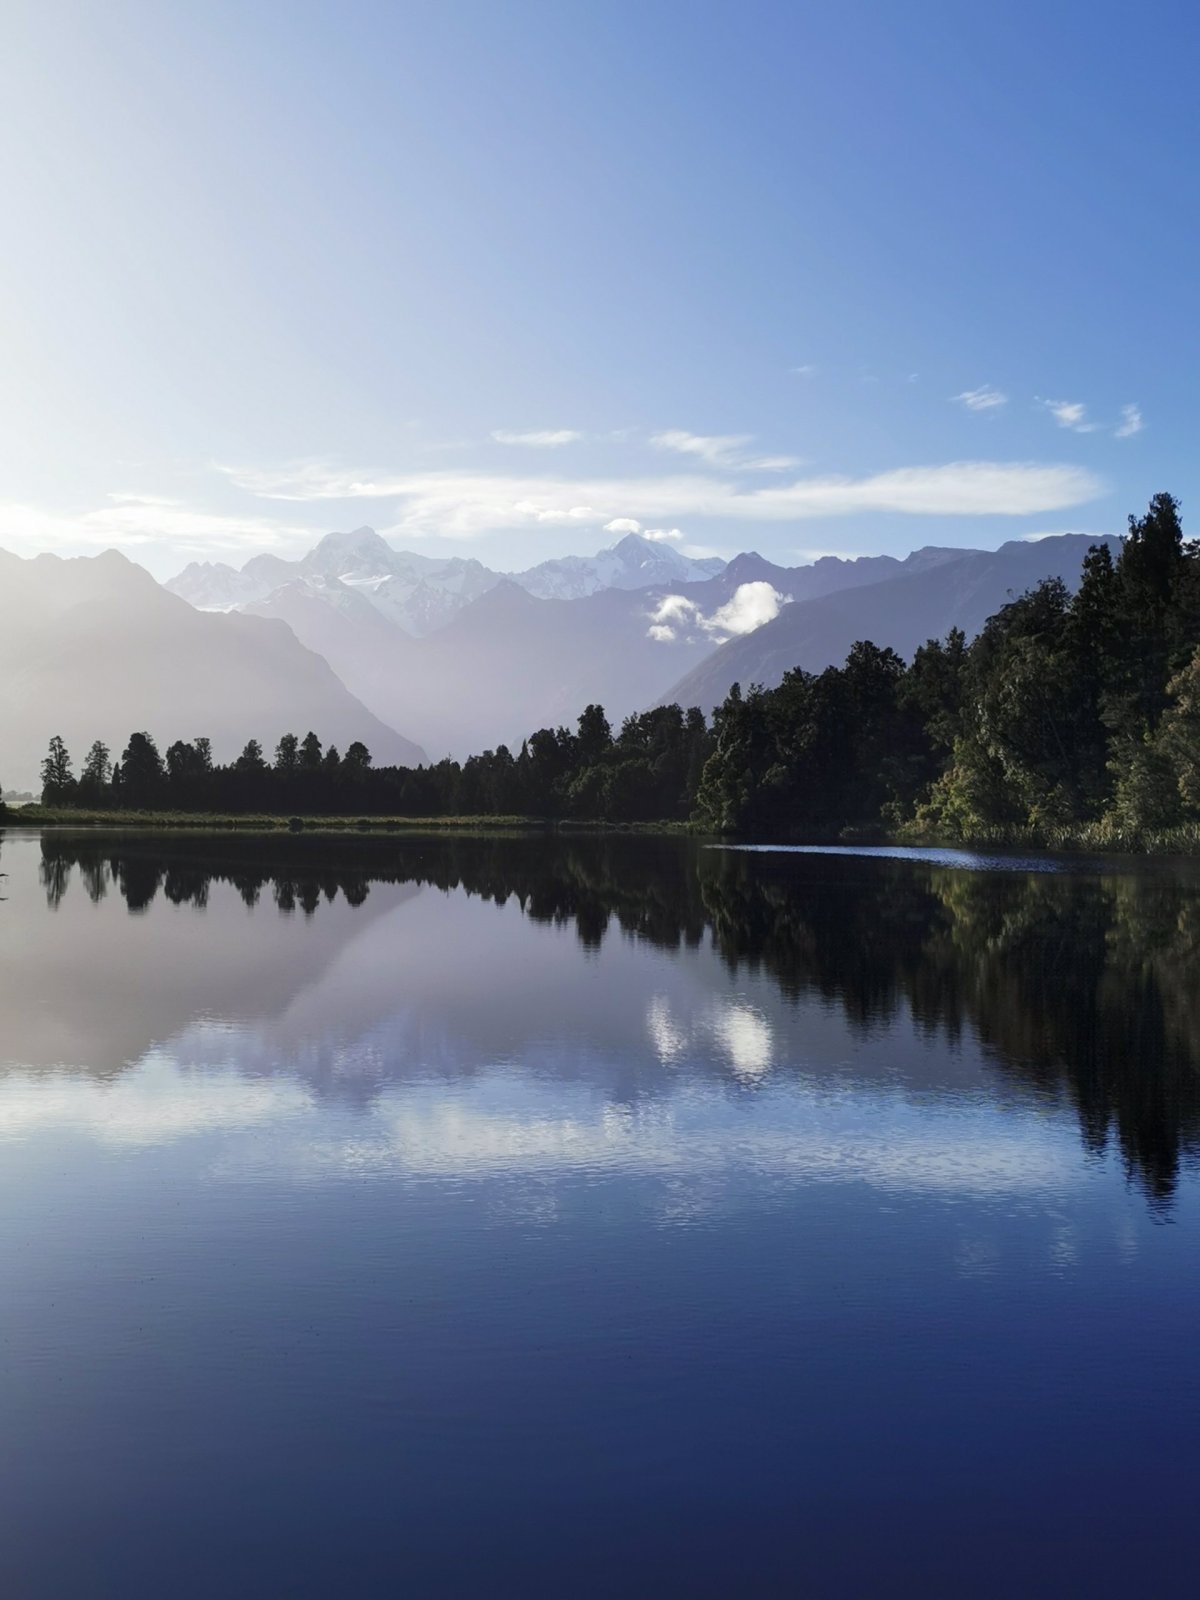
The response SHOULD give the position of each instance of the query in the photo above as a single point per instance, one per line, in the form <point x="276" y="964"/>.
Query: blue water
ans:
<point x="501" y="1217"/>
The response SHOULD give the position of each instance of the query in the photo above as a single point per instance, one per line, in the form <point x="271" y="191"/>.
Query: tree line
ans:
<point x="1067" y="710"/>
<point x="648" y="771"/>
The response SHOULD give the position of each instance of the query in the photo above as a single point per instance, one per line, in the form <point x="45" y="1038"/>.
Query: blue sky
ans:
<point x="504" y="279"/>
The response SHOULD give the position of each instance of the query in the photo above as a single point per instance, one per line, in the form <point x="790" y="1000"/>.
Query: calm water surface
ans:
<point x="474" y="1217"/>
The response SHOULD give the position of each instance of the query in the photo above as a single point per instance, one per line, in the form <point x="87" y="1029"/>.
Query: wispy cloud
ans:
<point x="721" y="450"/>
<point x="769" y="463"/>
<point x="985" y="398"/>
<point x="1071" y="414"/>
<point x="658" y="534"/>
<point x="807" y="369"/>
<point x="718" y="449"/>
<point x="538" y="439"/>
<point x="1131" y="422"/>
<point x="464" y="505"/>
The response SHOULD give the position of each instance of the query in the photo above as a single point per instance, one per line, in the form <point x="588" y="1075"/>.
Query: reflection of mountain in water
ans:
<point x="1072" y="983"/>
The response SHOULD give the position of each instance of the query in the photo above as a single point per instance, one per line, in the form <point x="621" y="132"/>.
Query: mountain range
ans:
<point x="357" y="640"/>
<point x="421" y="593"/>
<point x="463" y="658"/>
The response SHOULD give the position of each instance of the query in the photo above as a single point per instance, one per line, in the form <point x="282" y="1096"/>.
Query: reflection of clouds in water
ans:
<point x="797" y="1138"/>
<point x="697" y="1144"/>
<point x="666" y="1035"/>
<point x="746" y="1035"/>
<point x="151" y="1106"/>
<point x="740" y="1030"/>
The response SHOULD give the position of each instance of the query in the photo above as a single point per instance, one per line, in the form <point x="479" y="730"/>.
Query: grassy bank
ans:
<point x="38" y="816"/>
<point x="1085" y="838"/>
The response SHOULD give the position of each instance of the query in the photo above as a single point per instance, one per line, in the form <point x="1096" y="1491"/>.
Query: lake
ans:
<point x="530" y="1216"/>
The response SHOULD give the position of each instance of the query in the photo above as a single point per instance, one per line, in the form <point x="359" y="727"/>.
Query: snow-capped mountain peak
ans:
<point x="361" y="553"/>
<point x="421" y="593"/>
<point x="634" y="562"/>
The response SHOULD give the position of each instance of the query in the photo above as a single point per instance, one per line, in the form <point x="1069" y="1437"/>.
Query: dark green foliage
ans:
<point x="96" y="775"/>
<point x="143" y="776"/>
<point x="58" y="781"/>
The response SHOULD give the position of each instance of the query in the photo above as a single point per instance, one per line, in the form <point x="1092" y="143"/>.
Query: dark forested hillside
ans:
<point x="922" y="598"/>
<point x="1065" y="711"/>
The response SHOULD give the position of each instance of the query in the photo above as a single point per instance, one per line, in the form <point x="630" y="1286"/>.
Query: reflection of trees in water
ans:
<point x="1081" y="984"/>
<point x="139" y="869"/>
<point x="1078" y="983"/>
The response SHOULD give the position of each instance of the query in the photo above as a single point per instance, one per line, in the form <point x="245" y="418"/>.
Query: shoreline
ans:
<point x="1083" y="839"/>
<point x="42" y="817"/>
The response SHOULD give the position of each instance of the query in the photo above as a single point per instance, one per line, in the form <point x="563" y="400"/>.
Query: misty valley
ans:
<point x="384" y="1210"/>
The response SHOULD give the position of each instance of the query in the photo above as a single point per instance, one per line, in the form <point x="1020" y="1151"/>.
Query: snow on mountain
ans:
<point x="216" y="586"/>
<point x="420" y="593"/>
<point x="422" y="601"/>
<point x="633" y="563"/>
<point x="359" y="555"/>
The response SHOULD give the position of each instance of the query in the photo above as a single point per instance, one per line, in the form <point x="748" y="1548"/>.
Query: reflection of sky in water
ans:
<point x="369" y="1251"/>
<point x="431" y="1035"/>
<point x="435" y="1035"/>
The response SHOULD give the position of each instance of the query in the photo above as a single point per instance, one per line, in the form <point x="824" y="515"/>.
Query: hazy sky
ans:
<point x="821" y="277"/>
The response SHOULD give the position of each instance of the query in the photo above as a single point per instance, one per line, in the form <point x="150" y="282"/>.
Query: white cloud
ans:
<point x="539" y="439"/>
<point x="535" y="510"/>
<point x="658" y="534"/>
<point x="623" y="525"/>
<point x="718" y="449"/>
<point x="1071" y="414"/>
<point x="464" y="505"/>
<point x="807" y="369"/>
<point x="721" y="450"/>
<point x="985" y="398"/>
<point x="750" y="605"/>
<point x="675" y="608"/>
<point x="1131" y="422"/>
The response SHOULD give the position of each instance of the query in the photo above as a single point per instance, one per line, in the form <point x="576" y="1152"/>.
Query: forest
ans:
<point x="1069" y="715"/>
